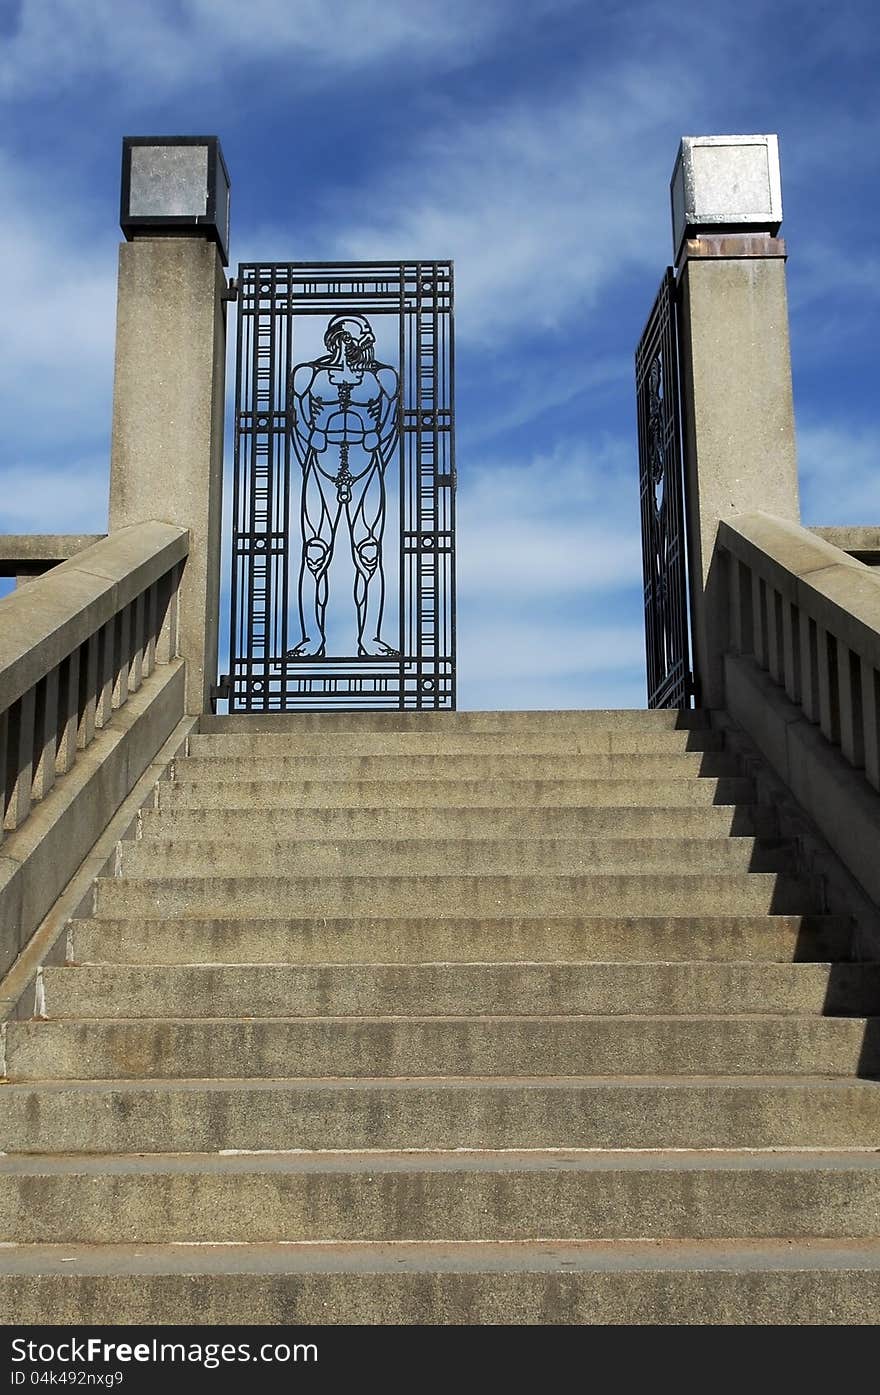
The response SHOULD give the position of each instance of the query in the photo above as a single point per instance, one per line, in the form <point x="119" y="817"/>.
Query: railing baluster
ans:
<point x="151" y="621"/>
<point x="829" y="696"/>
<point x="136" y="663"/>
<point x="106" y="641"/>
<point x="166" y="646"/>
<point x="791" y="650"/>
<point x="4" y="748"/>
<point x="88" y="696"/>
<point x="809" y="668"/>
<point x="871" y="721"/>
<point x="45" y="734"/>
<point x="759" y="620"/>
<point x="774" y="634"/>
<point x="121" y="657"/>
<point x="849" y="685"/>
<point x="68" y="713"/>
<point x="20" y="760"/>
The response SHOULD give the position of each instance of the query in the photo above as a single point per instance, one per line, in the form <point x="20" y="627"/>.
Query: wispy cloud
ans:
<point x="172" y="44"/>
<point x="840" y="474"/>
<point x="59" y="294"/>
<point x="65" y="499"/>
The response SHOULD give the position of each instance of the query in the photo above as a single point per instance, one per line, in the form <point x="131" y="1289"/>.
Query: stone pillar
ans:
<point x="739" y="436"/>
<point x="168" y="405"/>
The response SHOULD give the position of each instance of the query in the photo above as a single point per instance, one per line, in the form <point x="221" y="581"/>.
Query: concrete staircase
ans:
<point x="487" y="1017"/>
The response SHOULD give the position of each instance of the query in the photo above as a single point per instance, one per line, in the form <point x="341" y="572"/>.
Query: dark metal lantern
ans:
<point x="175" y="184"/>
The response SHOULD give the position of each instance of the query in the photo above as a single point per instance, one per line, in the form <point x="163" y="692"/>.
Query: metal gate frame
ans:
<point x="662" y="504"/>
<point x="262" y="676"/>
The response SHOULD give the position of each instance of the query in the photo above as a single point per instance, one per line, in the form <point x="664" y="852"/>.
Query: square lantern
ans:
<point x="175" y="184"/>
<point x="725" y="184"/>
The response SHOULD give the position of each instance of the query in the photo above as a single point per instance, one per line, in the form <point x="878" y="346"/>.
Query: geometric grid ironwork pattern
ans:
<point x="344" y="454"/>
<point x="661" y="498"/>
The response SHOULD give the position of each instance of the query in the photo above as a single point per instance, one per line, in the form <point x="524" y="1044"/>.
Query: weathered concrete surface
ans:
<point x="429" y="937"/>
<point x="401" y="1037"/>
<point x="481" y="853"/>
<point x="325" y="767"/>
<point x="61" y="610"/>
<point x="41" y="857"/>
<point x="456" y="742"/>
<point x="475" y="1196"/>
<point x="185" y="1116"/>
<point x="200" y="1048"/>
<point x="21" y="987"/>
<point x="680" y="1283"/>
<point x="739" y="430"/>
<point x="579" y="721"/>
<point x="406" y="793"/>
<point x="352" y="825"/>
<point x="438" y="990"/>
<point x="834" y="795"/>
<point x="168" y="404"/>
<point x="608" y="893"/>
<point x="839" y="592"/>
<point x="861" y="543"/>
<point x="26" y="555"/>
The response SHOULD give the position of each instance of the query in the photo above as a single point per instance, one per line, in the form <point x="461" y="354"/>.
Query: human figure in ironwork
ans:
<point x="343" y="427"/>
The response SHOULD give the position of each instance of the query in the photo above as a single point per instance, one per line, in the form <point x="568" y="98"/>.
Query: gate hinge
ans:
<point x="231" y="291"/>
<point x="221" y="692"/>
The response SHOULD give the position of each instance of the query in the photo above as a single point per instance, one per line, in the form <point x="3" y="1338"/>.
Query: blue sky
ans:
<point x="532" y="143"/>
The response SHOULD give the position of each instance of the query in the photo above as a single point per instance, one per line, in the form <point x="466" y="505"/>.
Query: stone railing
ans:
<point x="809" y="614"/>
<point x="90" y="685"/>
<point x="802" y="677"/>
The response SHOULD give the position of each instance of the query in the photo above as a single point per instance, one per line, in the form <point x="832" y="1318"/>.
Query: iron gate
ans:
<point x="661" y="495"/>
<point x="343" y="498"/>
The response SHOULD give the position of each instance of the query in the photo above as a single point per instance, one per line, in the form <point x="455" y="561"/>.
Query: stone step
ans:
<point x="591" y="740"/>
<point x="507" y="721"/>
<point x="734" y="893"/>
<point x="434" y="990"/>
<point x="683" y="765"/>
<point x="435" y="1197"/>
<point x="433" y="939"/>
<point x="671" y="1112"/>
<point x="567" y="1282"/>
<point x="243" y="825"/>
<point x="248" y="793"/>
<point x="779" y="939"/>
<point x="201" y="1048"/>
<point x="446" y="856"/>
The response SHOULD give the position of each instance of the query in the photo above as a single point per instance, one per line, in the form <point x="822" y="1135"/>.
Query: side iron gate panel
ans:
<point x="661" y="502"/>
<point x="343" y="509"/>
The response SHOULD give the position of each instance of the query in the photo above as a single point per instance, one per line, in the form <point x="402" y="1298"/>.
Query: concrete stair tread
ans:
<point x="464" y="1161"/>
<point x="434" y="1019"/>
<point x="677" y="765"/>
<point x="403" y="792"/>
<point x="246" y="826"/>
<point x="361" y="1083"/>
<point x="366" y="1257"/>
<point x="598" y="741"/>
<point x="309" y="940"/>
<point x="491" y="719"/>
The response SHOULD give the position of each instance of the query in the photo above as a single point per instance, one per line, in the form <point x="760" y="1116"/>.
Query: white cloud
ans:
<point x="544" y="204"/>
<point x="564" y="523"/>
<point x="37" y="499"/>
<point x="166" y="45"/>
<point x="59" y="296"/>
<point x="840" y="474"/>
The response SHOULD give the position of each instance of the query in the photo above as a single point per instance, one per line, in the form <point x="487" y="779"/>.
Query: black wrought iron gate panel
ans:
<point x="344" y="462"/>
<point x="661" y="495"/>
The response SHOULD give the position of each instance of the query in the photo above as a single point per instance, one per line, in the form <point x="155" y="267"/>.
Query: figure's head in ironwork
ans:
<point x="349" y="340"/>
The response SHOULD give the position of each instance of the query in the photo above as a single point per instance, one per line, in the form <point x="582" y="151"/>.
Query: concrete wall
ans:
<point x="168" y="410"/>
